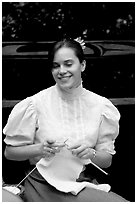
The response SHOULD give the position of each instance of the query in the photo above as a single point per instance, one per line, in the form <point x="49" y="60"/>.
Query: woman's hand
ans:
<point x="82" y="150"/>
<point x="36" y="151"/>
<point x="50" y="147"/>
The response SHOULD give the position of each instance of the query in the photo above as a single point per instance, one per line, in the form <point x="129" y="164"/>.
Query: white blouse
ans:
<point x="52" y="113"/>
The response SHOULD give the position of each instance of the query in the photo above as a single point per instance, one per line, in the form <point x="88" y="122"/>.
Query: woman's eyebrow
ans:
<point x="68" y="60"/>
<point x="55" y="63"/>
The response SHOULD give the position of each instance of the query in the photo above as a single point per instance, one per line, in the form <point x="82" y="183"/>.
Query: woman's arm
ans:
<point x="25" y="152"/>
<point x="102" y="159"/>
<point x="82" y="150"/>
<point x="20" y="153"/>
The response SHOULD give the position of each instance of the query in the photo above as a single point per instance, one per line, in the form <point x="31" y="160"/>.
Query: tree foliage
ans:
<point x="52" y="20"/>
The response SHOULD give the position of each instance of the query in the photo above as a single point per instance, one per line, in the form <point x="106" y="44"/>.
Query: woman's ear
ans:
<point x="83" y="65"/>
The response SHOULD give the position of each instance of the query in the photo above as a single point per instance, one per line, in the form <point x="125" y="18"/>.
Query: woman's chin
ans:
<point x="68" y="85"/>
<point x="65" y="86"/>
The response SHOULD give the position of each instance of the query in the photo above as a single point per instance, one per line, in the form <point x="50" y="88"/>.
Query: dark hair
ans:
<point x="68" y="43"/>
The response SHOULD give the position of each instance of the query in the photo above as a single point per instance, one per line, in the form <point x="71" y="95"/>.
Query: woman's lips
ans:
<point x="64" y="77"/>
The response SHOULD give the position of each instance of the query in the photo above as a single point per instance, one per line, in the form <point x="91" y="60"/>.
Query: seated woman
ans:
<point x="62" y="130"/>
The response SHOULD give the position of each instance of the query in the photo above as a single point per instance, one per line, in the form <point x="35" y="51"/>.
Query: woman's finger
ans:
<point x="48" y="150"/>
<point x="80" y="149"/>
<point x="58" y="144"/>
<point x="83" y="153"/>
<point x="74" y="146"/>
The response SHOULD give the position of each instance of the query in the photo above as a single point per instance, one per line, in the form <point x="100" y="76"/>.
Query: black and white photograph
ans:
<point x="68" y="101"/>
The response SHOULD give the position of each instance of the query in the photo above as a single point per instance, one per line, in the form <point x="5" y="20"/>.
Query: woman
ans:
<point x="63" y="121"/>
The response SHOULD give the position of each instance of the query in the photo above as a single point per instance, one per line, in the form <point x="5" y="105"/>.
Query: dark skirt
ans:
<point x="38" y="190"/>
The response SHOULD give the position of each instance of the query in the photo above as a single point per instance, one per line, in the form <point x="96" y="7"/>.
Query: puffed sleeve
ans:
<point x="109" y="128"/>
<point x="21" y="125"/>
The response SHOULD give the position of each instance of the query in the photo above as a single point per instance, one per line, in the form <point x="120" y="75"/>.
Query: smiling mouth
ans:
<point x="64" y="77"/>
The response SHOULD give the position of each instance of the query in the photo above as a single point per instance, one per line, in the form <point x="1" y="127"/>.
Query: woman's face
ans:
<point x="67" y="68"/>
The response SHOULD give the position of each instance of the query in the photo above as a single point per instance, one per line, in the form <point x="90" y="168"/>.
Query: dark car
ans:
<point x="109" y="72"/>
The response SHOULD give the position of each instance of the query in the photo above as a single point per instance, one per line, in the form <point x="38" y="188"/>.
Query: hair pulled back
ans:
<point x="68" y="43"/>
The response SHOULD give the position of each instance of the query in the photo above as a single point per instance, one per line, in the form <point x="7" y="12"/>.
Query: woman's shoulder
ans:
<point x="43" y="93"/>
<point x="104" y="104"/>
<point x="42" y="98"/>
<point x="34" y="100"/>
<point x="96" y="98"/>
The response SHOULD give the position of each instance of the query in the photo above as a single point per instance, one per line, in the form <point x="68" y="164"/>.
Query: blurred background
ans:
<point x="52" y="20"/>
<point x="108" y="28"/>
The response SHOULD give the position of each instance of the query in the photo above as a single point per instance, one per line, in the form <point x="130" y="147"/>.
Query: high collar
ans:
<point x="70" y="94"/>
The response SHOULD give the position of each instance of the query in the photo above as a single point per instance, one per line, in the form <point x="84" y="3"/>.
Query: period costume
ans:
<point x="76" y="115"/>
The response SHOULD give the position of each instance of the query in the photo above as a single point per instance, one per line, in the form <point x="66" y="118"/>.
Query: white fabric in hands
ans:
<point x="63" y="170"/>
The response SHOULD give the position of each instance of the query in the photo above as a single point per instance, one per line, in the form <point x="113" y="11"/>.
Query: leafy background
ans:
<point x="53" y="20"/>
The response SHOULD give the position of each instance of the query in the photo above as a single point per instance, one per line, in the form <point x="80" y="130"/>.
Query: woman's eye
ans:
<point x="55" y="66"/>
<point x="68" y="64"/>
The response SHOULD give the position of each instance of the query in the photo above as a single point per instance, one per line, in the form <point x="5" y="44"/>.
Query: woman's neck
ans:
<point x="70" y="93"/>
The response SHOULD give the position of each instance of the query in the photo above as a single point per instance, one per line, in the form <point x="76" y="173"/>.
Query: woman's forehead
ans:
<point x="64" y="53"/>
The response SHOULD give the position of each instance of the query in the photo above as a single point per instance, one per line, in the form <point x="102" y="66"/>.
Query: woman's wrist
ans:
<point x="93" y="154"/>
<point x="101" y="158"/>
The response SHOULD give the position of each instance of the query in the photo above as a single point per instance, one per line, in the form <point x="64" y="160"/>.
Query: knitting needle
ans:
<point x="99" y="168"/>
<point x="95" y="165"/>
<point x="29" y="174"/>
<point x="65" y="141"/>
<point x="24" y="178"/>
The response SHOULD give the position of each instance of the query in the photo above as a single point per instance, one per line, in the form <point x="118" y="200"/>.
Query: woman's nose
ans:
<point x="62" y="69"/>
